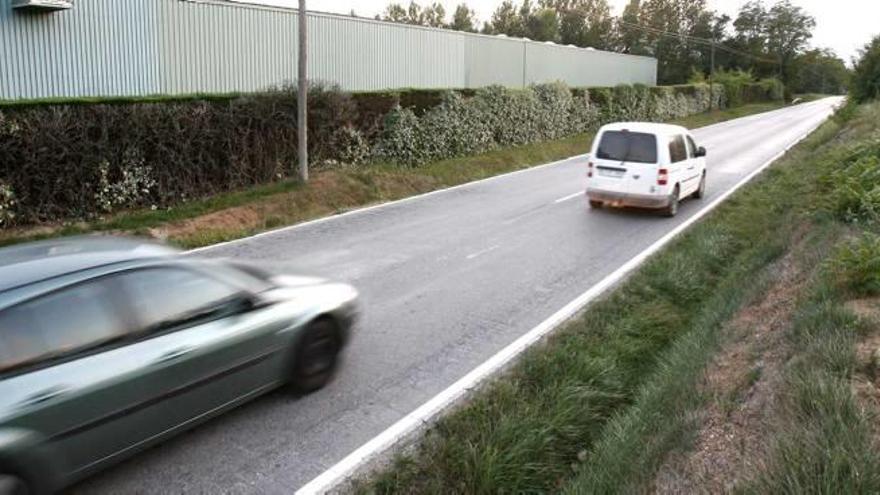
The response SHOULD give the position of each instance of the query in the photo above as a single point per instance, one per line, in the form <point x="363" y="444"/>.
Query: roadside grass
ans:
<point x="827" y="439"/>
<point x="239" y="214"/>
<point x="595" y="409"/>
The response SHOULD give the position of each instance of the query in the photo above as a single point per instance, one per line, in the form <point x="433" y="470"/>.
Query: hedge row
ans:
<point x="74" y="160"/>
<point x="497" y="116"/>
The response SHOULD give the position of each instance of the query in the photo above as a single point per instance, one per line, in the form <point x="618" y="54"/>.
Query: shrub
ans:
<point x="497" y="116"/>
<point x="351" y="146"/>
<point x="7" y="203"/>
<point x="856" y="265"/>
<point x="866" y="76"/>
<point x="493" y="116"/>
<point x="734" y="82"/>
<point x="855" y="185"/>
<point x="764" y="90"/>
<point x="83" y="160"/>
<point x="80" y="159"/>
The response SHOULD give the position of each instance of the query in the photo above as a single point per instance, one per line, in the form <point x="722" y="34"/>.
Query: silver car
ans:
<point x="109" y="345"/>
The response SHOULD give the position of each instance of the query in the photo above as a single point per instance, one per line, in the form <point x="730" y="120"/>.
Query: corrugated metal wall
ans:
<point x="141" y="47"/>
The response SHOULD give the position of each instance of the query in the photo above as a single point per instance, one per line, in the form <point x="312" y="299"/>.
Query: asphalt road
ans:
<point x="447" y="280"/>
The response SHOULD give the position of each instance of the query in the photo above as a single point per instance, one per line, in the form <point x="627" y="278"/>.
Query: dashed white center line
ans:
<point x="480" y="253"/>
<point x="570" y="196"/>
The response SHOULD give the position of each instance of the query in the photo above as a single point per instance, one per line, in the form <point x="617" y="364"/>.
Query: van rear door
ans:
<point x="626" y="162"/>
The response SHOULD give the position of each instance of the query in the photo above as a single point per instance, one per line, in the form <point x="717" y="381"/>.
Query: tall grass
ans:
<point x="824" y="441"/>
<point x="826" y="438"/>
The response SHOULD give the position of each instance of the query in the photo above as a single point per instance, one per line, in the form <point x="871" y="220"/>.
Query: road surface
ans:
<point x="447" y="281"/>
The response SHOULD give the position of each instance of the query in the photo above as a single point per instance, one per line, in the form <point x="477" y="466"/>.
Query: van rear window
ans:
<point x="624" y="146"/>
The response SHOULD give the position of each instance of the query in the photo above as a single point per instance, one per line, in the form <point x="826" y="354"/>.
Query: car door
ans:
<point x="68" y="374"/>
<point x="681" y="167"/>
<point x="212" y="346"/>
<point x="699" y="161"/>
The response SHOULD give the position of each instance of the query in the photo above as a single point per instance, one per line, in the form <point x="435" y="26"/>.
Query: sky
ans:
<point x="843" y="25"/>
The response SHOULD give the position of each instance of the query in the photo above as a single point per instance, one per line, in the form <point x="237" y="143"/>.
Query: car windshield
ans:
<point x="625" y="146"/>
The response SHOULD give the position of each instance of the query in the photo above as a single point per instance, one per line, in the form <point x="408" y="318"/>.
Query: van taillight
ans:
<point x="589" y="169"/>
<point x="662" y="177"/>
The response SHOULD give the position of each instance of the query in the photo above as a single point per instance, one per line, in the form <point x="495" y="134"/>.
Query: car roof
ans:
<point x="646" y="127"/>
<point x="26" y="264"/>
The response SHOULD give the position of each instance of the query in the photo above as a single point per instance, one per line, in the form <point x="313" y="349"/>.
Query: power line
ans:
<point x="697" y="40"/>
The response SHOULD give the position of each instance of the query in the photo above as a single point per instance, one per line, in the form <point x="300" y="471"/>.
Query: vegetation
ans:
<point x="617" y="393"/>
<point x="826" y="436"/>
<point x="231" y="215"/>
<point x="75" y="161"/>
<point x="820" y="71"/>
<point x="766" y="41"/>
<point x="866" y="77"/>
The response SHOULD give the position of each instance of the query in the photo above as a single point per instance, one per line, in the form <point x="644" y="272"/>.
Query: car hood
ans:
<point x="294" y="281"/>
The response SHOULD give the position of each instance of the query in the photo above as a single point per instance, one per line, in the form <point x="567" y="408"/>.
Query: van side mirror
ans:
<point x="701" y="152"/>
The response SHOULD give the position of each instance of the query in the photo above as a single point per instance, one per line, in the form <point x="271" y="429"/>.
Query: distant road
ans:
<point x="447" y="280"/>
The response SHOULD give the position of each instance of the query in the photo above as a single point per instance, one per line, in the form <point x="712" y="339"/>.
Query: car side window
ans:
<point x="677" y="149"/>
<point x="692" y="147"/>
<point x="167" y="297"/>
<point x="64" y="322"/>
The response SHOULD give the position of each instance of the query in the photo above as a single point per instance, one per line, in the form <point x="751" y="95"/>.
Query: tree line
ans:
<point x="763" y="40"/>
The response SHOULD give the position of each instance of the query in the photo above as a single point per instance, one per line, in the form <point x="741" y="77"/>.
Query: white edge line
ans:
<point x="346" y="467"/>
<point x="385" y="204"/>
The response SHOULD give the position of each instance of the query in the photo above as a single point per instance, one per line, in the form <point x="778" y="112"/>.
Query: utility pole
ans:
<point x="302" y="97"/>
<point x="712" y="76"/>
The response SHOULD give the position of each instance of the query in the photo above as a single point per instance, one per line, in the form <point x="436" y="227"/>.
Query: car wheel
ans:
<point x="672" y="208"/>
<point x="12" y="485"/>
<point x="595" y="204"/>
<point x="701" y="191"/>
<point x="316" y="356"/>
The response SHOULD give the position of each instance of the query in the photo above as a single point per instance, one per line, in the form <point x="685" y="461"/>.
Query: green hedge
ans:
<point x="77" y="159"/>
<point x="496" y="116"/>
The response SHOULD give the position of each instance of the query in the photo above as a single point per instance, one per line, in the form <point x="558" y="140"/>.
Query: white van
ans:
<point x="645" y="165"/>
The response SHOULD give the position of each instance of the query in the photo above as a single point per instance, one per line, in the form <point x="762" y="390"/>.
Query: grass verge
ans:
<point x="601" y="406"/>
<point x="239" y="214"/>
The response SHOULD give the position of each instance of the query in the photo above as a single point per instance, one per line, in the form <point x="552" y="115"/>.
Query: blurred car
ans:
<point x="645" y="165"/>
<point x="110" y="345"/>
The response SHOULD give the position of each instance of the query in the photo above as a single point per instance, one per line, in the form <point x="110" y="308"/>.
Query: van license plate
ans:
<point x="610" y="172"/>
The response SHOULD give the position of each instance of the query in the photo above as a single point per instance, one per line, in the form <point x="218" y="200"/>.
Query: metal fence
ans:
<point x="143" y="47"/>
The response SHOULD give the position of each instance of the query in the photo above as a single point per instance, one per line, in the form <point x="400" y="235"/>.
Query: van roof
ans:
<point x="646" y="127"/>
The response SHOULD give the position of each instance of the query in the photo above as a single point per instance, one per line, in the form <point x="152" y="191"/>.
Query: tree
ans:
<point x="670" y="24"/>
<point x="789" y="28"/>
<point x="629" y="38"/>
<point x="750" y="39"/>
<point x="464" y="19"/>
<point x="866" y="77"/>
<point x="819" y="71"/>
<point x="506" y="20"/>
<point x="434" y="16"/>
<point x="395" y="13"/>
<point x="584" y="22"/>
<point x="414" y="14"/>
<point x="543" y="25"/>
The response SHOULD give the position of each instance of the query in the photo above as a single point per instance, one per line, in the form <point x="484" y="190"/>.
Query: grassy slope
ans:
<point x="598" y="408"/>
<point x="238" y="214"/>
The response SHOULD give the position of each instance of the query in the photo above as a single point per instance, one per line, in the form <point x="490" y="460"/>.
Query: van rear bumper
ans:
<point x="628" y="199"/>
